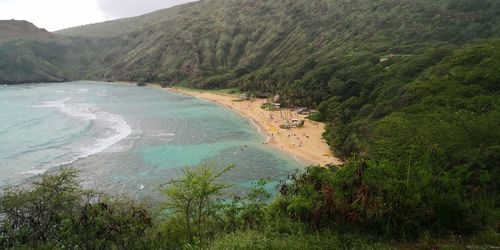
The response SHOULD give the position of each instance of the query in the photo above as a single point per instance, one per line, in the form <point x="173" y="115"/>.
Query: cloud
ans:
<point x="127" y="8"/>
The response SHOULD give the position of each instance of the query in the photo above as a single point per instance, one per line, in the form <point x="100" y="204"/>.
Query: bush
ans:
<point x="389" y="200"/>
<point x="55" y="211"/>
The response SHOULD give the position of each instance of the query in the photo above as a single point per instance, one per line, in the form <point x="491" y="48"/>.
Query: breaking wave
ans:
<point x="107" y="129"/>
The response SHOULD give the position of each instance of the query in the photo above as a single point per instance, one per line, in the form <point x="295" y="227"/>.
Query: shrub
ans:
<point x="56" y="212"/>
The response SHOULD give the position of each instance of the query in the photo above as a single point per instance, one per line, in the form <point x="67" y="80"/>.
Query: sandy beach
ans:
<point x="304" y="144"/>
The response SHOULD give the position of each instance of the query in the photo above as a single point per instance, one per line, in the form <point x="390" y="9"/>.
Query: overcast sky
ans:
<point x="58" y="14"/>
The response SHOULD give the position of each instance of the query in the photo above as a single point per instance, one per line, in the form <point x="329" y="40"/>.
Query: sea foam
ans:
<point x="115" y="122"/>
<point x="75" y="110"/>
<point x="113" y="127"/>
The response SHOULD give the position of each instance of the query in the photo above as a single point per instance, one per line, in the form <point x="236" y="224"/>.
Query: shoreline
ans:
<point x="305" y="145"/>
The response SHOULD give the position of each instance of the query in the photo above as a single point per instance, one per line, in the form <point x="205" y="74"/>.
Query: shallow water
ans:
<point x="126" y="139"/>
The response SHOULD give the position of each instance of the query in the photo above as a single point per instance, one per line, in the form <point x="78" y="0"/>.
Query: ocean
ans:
<point x="128" y="140"/>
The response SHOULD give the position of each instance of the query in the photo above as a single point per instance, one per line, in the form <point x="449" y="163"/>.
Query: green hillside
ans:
<point x="26" y="53"/>
<point x="267" y="44"/>
<point x="235" y="42"/>
<point x="25" y="61"/>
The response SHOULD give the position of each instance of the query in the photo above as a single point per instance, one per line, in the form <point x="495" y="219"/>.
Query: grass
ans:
<point x="252" y="240"/>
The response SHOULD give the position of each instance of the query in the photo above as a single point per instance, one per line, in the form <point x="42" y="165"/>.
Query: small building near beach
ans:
<point x="244" y="97"/>
<point x="297" y="123"/>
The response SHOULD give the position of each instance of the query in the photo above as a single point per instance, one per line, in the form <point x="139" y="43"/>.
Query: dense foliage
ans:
<point x="392" y="201"/>
<point x="447" y="105"/>
<point x="319" y="209"/>
<point x="57" y="213"/>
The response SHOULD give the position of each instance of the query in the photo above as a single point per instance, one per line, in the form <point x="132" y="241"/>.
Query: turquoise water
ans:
<point x="126" y="139"/>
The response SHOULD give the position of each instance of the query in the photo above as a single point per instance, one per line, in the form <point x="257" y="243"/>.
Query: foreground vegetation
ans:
<point x="318" y="209"/>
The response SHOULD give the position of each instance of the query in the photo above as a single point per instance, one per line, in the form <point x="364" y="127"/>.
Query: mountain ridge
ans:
<point x="121" y="26"/>
<point x="14" y="29"/>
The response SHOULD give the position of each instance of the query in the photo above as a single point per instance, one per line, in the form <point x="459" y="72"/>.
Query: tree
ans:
<point x="193" y="197"/>
<point x="36" y="214"/>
